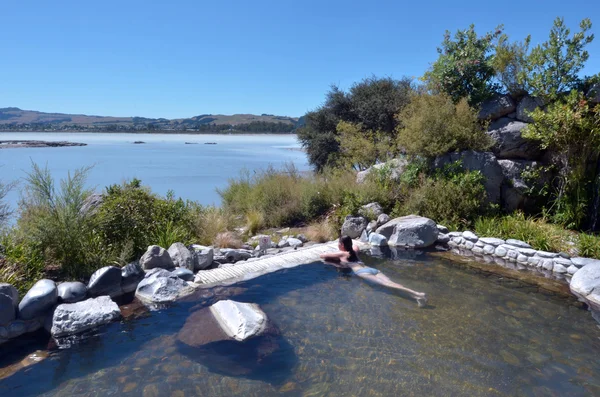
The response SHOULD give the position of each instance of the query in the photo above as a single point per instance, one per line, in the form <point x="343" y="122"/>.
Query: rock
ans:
<point x="500" y="252"/>
<point x="484" y="162"/>
<point x="71" y="292"/>
<point x="547" y="264"/>
<point x="411" y="230"/>
<point x="377" y="240"/>
<point x="239" y="321"/>
<point x="371" y="211"/>
<point x="203" y="258"/>
<point x="283" y="242"/>
<point x="558" y="268"/>
<point x="9" y="302"/>
<point x="74" y="318"/>
<point x="527" y="105"/>
<point x="393" y="169"/>
<point x="38" y="300"/>
<point x="372" y="226"/>
<point x="105" y="281"/>
<point x="131" y="275"/>
<point x="156" y="256"/>
<point x="16" y="328"/>
<point x="477" y="250"/>
<point x="469" y="245"/>
<point x="233" y="255"/>
<point x="593" y="94"/>
<point x="181" y="256"/>
<point x="353" y="226"/>
<point x="527" y="251"/>
<point x="544" y="254"/>
<point x="516" y="188"/>
<point x="470" y="236"/>
<point x="383" y="219"/>
<point x="586" y="285"/>
<point x="442" y="229"/>
<point x="533" y="260"/>
<point x="517" y="243"/>
<point x="496" y="107"/>
<point x="184" y="274"/>
<point x="572" y="269"/>
<point x="510" y="144"/>
<point x="489" y="249"/>
<point x="156" y="289"/>
<point x="294" y="242"/>
<point x="91" y="204"/>
<point x="302" y="238"/>
<point x="522" y="258"/>
<point x="443" y="238"/>
<point x="580" y="262"/>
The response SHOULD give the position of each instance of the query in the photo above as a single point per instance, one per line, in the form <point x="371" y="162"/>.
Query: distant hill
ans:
<point x="15" y="119"/>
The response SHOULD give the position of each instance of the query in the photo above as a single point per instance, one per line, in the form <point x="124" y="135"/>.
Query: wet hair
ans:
<point x="346" y="242"/>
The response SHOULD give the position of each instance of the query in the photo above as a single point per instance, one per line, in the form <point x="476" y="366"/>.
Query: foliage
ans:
<point x="23" y="264"/>
<point x="453" y="197"/>
<point x="5" y="211"/>
<point x="371" y="103"/>
<point x="570" y="130"/>
<point x="209" y="222"/>
<point x="170" y="233"/>
<point x="510" y="65"/>
<point x="359" y="149"/>
<point x="464" y="66"/>
<point x="540" y="234"/>
<point x="433" y="125"/>
<point x="254" y="221"/>
<point x="227" y="240"/>
<point x="321" y="231"/>
<point x="553" y="67"/>
<point x="588" y="245"/>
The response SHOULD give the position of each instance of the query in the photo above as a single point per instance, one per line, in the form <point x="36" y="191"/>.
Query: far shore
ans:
<point x="16" y="144"/>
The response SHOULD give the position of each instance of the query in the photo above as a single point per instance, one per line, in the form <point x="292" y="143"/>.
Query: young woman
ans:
<point x="348" y="258"/>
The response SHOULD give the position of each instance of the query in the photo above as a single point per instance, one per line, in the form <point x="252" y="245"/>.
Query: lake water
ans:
<point x="164" y="162"/>
<point x="480" y="336"/>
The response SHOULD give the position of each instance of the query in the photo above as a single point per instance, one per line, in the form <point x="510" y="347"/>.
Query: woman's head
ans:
<point x="345" y="243"/>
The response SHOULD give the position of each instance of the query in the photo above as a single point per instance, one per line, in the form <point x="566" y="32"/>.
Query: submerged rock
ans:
<point x="156" y="256"/>
<point x="412" y="230"/>
<point x="377" y="240"/>
<point x="74" y="318"/>
<point x="38" y="300"/>
<point x="72" y="291"/>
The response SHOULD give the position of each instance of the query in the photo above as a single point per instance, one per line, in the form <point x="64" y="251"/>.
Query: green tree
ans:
<point x="510" y="64"/>
<point x="552" y="67"/>
<point x="433" y="125"/>
<point x="464" y="66"/>
<point x="360" y="149"/>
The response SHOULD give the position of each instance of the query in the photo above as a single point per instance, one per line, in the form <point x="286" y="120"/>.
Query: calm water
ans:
<point x="164" y="162"/>
<point x="342" y="337"/>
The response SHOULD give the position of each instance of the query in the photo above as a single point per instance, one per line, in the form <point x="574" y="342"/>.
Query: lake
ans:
<point x="164" y="162"/>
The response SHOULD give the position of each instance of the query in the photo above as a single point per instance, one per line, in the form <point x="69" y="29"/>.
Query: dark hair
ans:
<point x="346" y="242"/>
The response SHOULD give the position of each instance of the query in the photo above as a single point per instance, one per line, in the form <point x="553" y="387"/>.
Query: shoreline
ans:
<point x="23" y="144"/>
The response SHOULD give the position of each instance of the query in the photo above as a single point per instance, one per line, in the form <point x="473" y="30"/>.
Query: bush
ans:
<point x="455" y="200"/>
<point x="588" y="245"/>
<point x="434" y="125"/>
<point x="211" y="221"/>
<point x="510" y="64"/>
<point x="538" y="233"/>
<point x="22" y="265"/>
<point x="321" y="231"/>
<point x="5" y="211"/>
<point x="360" y="148"/>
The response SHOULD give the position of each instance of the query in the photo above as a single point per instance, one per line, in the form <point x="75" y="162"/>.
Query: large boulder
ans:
<point x="586" y="285"/>
<point x="71" y="292"/>
<point x="516" y="187"/>
<point x="354" y="225"/>
<point x="412" y="230"/>
<point x="156" y="256"/>
<point x="203" y="257"/>
<point x="161" y="288"/>
<point x="527" y="105"/>
<point x="74" y="318"/>
<point x="131" y="275"/>
<point x="371" y="211"/>
<point x="496" y="107"/>
<point x="40" y="299"/>
<point x="484" y="162"/>
<point x="392" y="169"/>
<point x="105" y="281"/>
<point x="238" y="320"/>
<point x="510" y="144"/>
<point x="181" y="256"/>
<point x="9" y="301"/>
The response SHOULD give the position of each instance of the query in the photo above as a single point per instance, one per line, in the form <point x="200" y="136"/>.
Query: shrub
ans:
<point x="254" y="221"/>
<point x="321" y="231"/>
<point x="454" y="200"/>
<point x="360" y="148"/>
<point x="209" y="222"/>
<point x="463" y="69"/>
<point x="23" y="264"/>
<point x="434" y="125"/>
<point x="588" y="245"/>
<point x="5" y="211"/>
<point x="536" y="232"/>
<point x="510" y="64"/>
<point x="227" y="240"/>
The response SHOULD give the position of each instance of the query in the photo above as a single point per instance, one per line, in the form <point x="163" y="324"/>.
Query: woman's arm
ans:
<point x="334" y="256"/>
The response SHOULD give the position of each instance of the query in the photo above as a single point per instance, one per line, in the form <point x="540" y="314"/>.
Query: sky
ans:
<point x="183" y="58"/>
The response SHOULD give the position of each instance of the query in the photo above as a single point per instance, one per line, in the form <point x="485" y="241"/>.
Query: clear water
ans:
<point x="164" y="162"/>
<point x="342" y="337"/>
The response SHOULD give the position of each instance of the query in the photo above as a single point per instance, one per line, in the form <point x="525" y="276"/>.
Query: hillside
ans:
<point x="15" y="119"/>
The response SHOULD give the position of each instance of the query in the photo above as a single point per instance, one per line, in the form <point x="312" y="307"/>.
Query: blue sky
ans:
<point x="184" y="58"/>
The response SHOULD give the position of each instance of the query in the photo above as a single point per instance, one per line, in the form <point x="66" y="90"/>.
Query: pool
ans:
<point x="481" y="336"/>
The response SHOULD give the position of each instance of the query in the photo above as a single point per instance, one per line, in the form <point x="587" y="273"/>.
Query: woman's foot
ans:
<point x="421" y="299"/>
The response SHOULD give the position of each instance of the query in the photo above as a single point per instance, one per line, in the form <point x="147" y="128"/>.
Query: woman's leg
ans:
<point x="384" y="280"/>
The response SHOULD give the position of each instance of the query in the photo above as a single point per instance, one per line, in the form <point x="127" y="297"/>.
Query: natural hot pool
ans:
<point x="340" y="336"/>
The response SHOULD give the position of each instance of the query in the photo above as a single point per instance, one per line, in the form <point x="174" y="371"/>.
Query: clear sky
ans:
<point x="181" y="58"/>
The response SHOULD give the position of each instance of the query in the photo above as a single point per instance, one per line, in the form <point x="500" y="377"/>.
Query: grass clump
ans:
<point x="321" y="231"/>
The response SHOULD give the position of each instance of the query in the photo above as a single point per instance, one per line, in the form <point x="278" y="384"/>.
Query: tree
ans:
<point x="552" y="67"/>
<point x="360" y="149"/>
<point x="510" y="63"/>
<point x="464" y="66"/>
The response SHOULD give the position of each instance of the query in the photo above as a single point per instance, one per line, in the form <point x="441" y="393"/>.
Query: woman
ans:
<point x="348" y="258"/>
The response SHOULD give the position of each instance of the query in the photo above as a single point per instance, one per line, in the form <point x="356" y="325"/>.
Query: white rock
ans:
<point x="492" y="241"/>
<point x="518" y="243"/>
<point x="580" y="262"/>
<point x="500" y="252"/>
<point x="534" y="260"/>
<point x="411" y="230"/>
<point x="572" y="269"/>
<point x="377" y="240"/>
<point x="239" y="320"/>
<point x="470" y="236"/>
<point x="477" y="250"/>
<point x="558" y="268"/>
<point x="488" y="249"/>
<point x="527" y="251"/>
<point x="74" y="318"/>
<point x="547" y="264"/>
<point x="469" y="245"/>
<point x="544" y="254"/>
<point x="522" y="258"/>
<point x="294" y="242"/>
